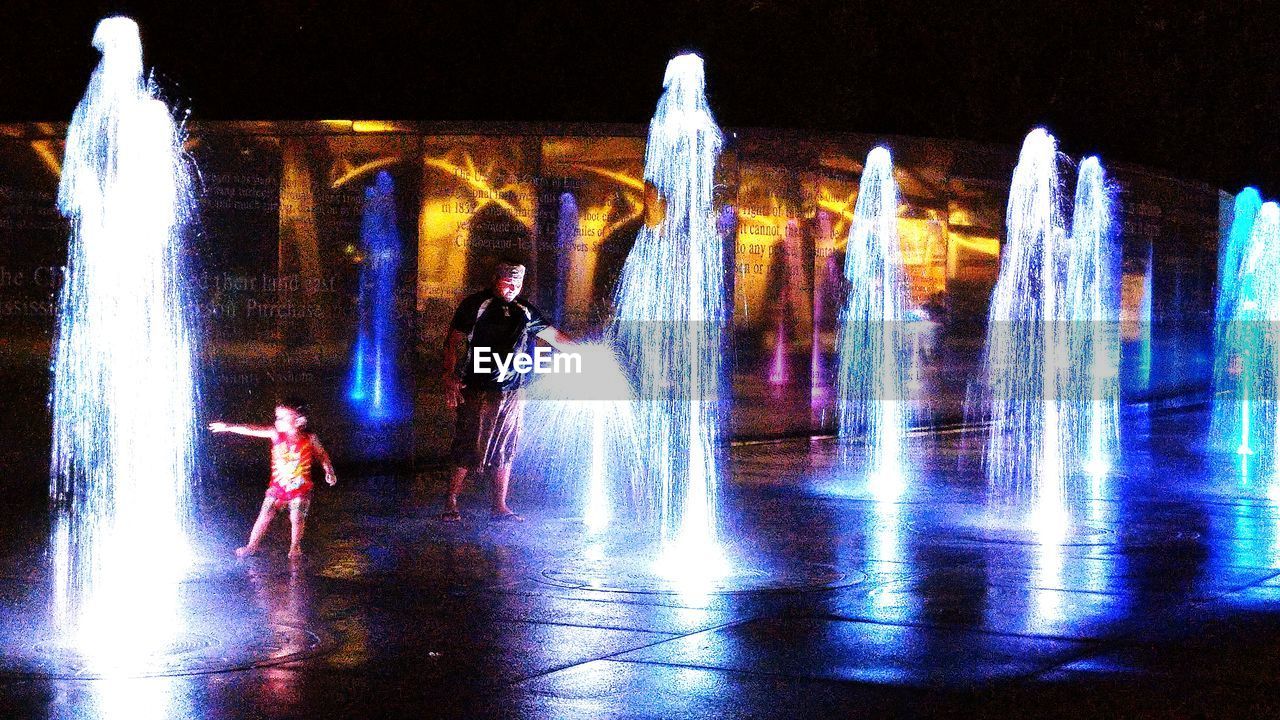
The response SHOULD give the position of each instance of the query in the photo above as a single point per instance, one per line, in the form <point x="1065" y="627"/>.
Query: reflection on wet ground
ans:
<point x="1164" y="600"/>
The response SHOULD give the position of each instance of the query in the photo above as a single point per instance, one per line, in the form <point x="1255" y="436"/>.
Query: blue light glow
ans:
<point x="375" y="387"/>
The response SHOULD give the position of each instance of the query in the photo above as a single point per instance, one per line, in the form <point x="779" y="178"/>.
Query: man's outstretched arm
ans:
<point x="556" y="339"/>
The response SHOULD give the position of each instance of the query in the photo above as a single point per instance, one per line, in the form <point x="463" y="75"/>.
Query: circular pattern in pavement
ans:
<point x="190" y="653"/>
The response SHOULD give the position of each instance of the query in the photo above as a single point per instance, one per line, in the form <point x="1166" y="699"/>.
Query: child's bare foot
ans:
<point x="295" y="552"/>
<point x="246" y="551"/>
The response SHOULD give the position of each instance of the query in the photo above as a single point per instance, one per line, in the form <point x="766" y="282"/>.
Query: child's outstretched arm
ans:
<point x="262" y="431"/>
<point x="325" y="462"/>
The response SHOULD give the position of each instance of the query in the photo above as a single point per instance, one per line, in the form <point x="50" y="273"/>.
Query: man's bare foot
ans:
<point x="295" y="552"/>
<point x="506" y="516"/>
<point x="451" y="516"/>
<point x="246" y="551"/>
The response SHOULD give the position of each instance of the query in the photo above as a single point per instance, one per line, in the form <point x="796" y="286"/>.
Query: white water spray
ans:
<point x="1026" y="344"/>
<point x="124" y="390"/>
<point x="873" y="349"/>
<point x="671" y="309"/>
<point x="1093" y="393"/>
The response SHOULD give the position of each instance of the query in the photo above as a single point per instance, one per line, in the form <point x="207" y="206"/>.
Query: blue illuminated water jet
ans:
<point x="1053" y="349"/>
<point x="669" y="324"/>
<point x="124" y="393"/>
<point x="873" y="349"/>
<point x="375" y="387"/>
<point x="1093" y="308"/>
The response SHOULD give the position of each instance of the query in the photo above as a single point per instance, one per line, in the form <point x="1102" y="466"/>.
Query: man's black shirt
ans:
<point x="504" y="328"/>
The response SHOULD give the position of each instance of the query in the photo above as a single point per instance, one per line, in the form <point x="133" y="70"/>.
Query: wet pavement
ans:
<point x="1163" y="600"/>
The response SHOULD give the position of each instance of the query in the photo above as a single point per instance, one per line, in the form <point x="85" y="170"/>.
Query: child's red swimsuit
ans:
<point x="290" y="469"/>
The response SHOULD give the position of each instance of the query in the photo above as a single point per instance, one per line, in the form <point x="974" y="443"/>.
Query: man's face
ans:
<point x="507" y="289"/>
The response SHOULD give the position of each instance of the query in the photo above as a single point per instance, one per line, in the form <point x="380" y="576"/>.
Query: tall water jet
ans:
<point x="1093" y="299"/>
<point x="1230" y="408"/>
<point x="873" y="348"/>
<point x="124" y="393"/>
<point x="671" y="306"/>
<point x="1025" y="359"/>
<point x="375" y="382"/>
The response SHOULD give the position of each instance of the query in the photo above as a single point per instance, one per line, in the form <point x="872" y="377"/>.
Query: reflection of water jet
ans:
<point x="567" y="232"/>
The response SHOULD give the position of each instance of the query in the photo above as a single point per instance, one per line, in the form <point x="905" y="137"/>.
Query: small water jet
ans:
<point x="586" y="422"/>
<point x="124" y="390"/>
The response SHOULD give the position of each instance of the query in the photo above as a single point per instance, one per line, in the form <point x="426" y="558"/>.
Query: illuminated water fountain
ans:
<point x="1232" y="416"/>
<point x="1255" y="357"/>
<point x="1093" y="306"/>
<point x="670" y="314"/>
<point x="874" y="353"/>
<point x="375" y="383"/>
<point x="124" y="393"/>
<point x="1052" y="359"/>
<point x="1027" y="345"/>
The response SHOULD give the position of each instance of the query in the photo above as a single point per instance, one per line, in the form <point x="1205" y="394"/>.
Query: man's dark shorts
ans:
<point x="488" y="428"/>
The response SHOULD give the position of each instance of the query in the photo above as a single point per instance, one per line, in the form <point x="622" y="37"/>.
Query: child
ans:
<point x="292" y="451"/>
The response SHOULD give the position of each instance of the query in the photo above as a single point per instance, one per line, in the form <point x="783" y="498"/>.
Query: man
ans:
<point x="488" y="328"/>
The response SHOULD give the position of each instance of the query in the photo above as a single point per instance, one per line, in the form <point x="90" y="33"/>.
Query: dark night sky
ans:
<point x="1191" y="89"/>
